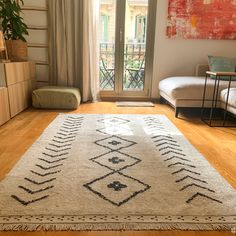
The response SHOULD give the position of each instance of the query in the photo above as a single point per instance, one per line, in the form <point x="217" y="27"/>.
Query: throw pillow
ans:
<point x="222" y="64"/>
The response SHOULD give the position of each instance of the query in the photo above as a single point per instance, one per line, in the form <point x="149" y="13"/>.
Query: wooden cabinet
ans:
<point x="18" y="78"/>
<point x="18" y="72"/>
<point x="4" y="106"/>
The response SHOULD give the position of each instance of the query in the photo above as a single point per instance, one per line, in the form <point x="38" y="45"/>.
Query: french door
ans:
<point x="126" y="39"/>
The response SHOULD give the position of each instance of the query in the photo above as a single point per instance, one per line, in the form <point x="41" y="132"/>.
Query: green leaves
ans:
<point x="12" y="23"/>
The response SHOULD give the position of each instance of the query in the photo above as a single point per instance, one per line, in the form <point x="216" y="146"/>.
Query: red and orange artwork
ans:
<point x="202" y="19"/>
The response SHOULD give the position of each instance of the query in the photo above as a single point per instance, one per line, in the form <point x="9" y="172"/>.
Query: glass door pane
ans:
<point x="107" y="31"/>
<point x="135" y="45"/>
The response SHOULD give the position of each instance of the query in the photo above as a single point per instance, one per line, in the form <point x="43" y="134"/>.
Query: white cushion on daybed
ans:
<point x="231" y="101"/>
<point x="232" y="96"/>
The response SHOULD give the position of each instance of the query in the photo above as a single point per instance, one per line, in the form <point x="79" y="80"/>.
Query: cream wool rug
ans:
<point x="115" y="172"/>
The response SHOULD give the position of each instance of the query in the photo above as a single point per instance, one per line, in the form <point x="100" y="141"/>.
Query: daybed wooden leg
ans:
<point x="176" y="112"/>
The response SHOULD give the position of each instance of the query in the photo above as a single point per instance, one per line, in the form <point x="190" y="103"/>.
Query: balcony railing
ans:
<point x="134" y="66"/>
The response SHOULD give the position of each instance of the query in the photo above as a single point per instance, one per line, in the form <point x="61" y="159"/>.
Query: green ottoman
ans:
<point x="55" y="97"/>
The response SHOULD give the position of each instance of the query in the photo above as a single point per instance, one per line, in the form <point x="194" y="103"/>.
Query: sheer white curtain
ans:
<point x="73" y="46"/>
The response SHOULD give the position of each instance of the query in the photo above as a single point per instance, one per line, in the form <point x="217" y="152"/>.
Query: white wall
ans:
<point x="179" y="57"/>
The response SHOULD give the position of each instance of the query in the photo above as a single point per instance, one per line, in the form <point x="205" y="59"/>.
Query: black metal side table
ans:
<point x="214" y="102"/>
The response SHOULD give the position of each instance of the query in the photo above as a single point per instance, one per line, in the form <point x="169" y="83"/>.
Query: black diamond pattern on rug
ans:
<point x="115" y="143"/>
<point x="114" y="121"/>
<point x="115" y="160"/>
<point x="114" y="130"/>
<point x="117" y="188"/>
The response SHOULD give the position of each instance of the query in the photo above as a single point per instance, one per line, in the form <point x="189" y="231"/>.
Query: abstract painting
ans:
<point x="202" y="19"/>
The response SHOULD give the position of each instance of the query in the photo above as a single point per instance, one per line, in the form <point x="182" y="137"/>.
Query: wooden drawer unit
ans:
<point x="4" y="106"/>
<point x="19" y="96"/>
<point x="19" y="71"/>
<point x="19" y="79"/>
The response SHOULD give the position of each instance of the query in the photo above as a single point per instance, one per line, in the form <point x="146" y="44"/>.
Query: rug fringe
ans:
<point x="117" y="227"/>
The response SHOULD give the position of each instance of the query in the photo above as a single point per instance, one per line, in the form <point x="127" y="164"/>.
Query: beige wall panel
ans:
<point x="42" y="72"/>
<point x="41" y="84"/>
<point x="35" y="18"/>
<point x="4" y="106"/>
<point x="37" y="36"/>
<point x="36" y="3"/>
<point x="38" y="54"/>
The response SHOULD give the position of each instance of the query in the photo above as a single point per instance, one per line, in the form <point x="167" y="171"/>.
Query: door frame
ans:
<point x="118" y="92"/>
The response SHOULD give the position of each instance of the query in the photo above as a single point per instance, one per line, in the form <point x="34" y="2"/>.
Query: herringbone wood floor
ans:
<point x="218" y="145"/>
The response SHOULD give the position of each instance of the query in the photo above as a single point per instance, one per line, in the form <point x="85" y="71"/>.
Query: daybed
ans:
<point x="187" y="91"/>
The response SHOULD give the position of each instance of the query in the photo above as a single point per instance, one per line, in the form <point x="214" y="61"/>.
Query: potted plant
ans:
<point x="14" y="29"/>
